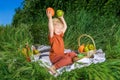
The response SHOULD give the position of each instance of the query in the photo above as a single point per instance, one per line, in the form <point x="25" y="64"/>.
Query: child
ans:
<point x="57" y="28"/>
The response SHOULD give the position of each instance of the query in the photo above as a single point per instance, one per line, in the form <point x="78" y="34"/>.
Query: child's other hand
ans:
<point x="61" y="17"/>
<point x="48" y="14"/>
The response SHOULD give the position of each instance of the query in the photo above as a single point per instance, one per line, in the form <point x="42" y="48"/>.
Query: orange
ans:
<point x="51" y="10"/>
<point x="81" y="48"/>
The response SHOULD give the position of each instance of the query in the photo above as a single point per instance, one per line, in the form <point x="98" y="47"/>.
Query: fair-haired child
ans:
<point x="57" y="28"/>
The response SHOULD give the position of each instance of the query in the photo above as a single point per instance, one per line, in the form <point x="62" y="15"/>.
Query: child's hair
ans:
<point x="57" y="20"/>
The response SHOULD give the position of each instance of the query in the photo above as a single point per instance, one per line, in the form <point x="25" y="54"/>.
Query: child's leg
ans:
<point x="66" y="60"/>
<point x="53" y="69"/>
<point x="71" y="54"/>
<point x="61" y="61"/>
<point x="55" y="60"/>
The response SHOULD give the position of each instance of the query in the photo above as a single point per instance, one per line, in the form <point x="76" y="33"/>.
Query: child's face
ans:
<point x="58" y="28"/>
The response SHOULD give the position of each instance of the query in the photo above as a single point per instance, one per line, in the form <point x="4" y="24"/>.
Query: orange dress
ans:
<point x="57" y="55"/>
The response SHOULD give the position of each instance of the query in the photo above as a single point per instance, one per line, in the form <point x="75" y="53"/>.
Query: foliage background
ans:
<point x="33" y="12"/>
<point x="98" y="18"/>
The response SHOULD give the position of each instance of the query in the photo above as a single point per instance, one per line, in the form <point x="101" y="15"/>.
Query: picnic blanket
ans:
<point x="44" y="60"/>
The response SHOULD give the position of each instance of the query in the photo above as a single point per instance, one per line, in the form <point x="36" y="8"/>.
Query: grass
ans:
<point x="105" y="31"/>
<point x="12" y="38"/>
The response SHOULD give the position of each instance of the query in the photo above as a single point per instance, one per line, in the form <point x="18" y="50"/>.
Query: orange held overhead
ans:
<point x="51" y="10"/>
<point x="81" y="48"/>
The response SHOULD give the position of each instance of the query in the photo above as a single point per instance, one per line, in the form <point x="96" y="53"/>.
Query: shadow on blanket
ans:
<point x="45" y="61"/>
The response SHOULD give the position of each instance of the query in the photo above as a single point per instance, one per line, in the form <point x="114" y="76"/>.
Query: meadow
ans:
<point x="105" y="30"/>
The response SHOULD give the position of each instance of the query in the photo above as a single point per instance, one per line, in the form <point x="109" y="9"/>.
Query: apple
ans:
<point x="91" y="47"/>
<point x="80" y="55"/>
<point x="59" y="13"/>
<point x="86" y="49"/>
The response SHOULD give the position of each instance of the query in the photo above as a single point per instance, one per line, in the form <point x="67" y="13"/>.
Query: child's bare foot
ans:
<point x="53" y="70"/>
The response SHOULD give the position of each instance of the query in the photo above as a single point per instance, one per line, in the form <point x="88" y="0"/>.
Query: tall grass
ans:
<point x="12" y="38"/>
<point x="114" y="43"/>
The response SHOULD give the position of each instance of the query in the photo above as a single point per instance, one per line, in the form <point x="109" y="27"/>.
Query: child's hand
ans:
<point x="61" y="18"/>
<point x="48" y="14"/>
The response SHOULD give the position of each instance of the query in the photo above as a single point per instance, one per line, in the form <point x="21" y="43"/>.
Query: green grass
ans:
<point x="104" y="30"/>
<point x="12" y="38"/>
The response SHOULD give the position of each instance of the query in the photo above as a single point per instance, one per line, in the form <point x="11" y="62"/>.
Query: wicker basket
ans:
<point x="91" y="52"/>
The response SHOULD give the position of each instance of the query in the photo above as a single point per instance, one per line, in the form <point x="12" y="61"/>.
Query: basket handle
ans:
<point x="86" y="36"/>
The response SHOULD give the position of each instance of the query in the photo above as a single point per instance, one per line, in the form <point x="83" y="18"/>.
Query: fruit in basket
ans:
<point x="91" y="47"/>
<point x="86" y="49"/>
<point x="51" y="10"/>
<point x="81" y="48"/>
<point x="60" y="13"/>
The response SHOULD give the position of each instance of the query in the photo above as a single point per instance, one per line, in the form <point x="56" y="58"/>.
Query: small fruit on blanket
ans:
<point x="60" y="13"/>
<point x="86" y="49"/>
<point x="80" y="55"/>
<point x="81" y="48"/>
<point x="26" y="52"/>
<point x="35" y="52"/>
<point x="91" y="47"/>
<point x="51" y="10"/>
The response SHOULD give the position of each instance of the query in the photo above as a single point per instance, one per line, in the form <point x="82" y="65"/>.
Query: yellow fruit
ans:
<point x="86" y="49"/>
<point x="24" y="51"/>
<point x="60" y="13"/>
<point x="91" y="47"/>
<point x="35" y="52"/>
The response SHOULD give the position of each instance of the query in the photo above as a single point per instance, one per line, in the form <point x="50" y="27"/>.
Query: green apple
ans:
<point x="80" y="55"/>
<point x="91" y="47"/>
<point x="59" y="13"/>
<point x="86" y="49"/>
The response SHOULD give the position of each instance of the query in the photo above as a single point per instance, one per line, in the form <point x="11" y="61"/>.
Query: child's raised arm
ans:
<point x="64" y="23"/>
<point x="50" y="23"/>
